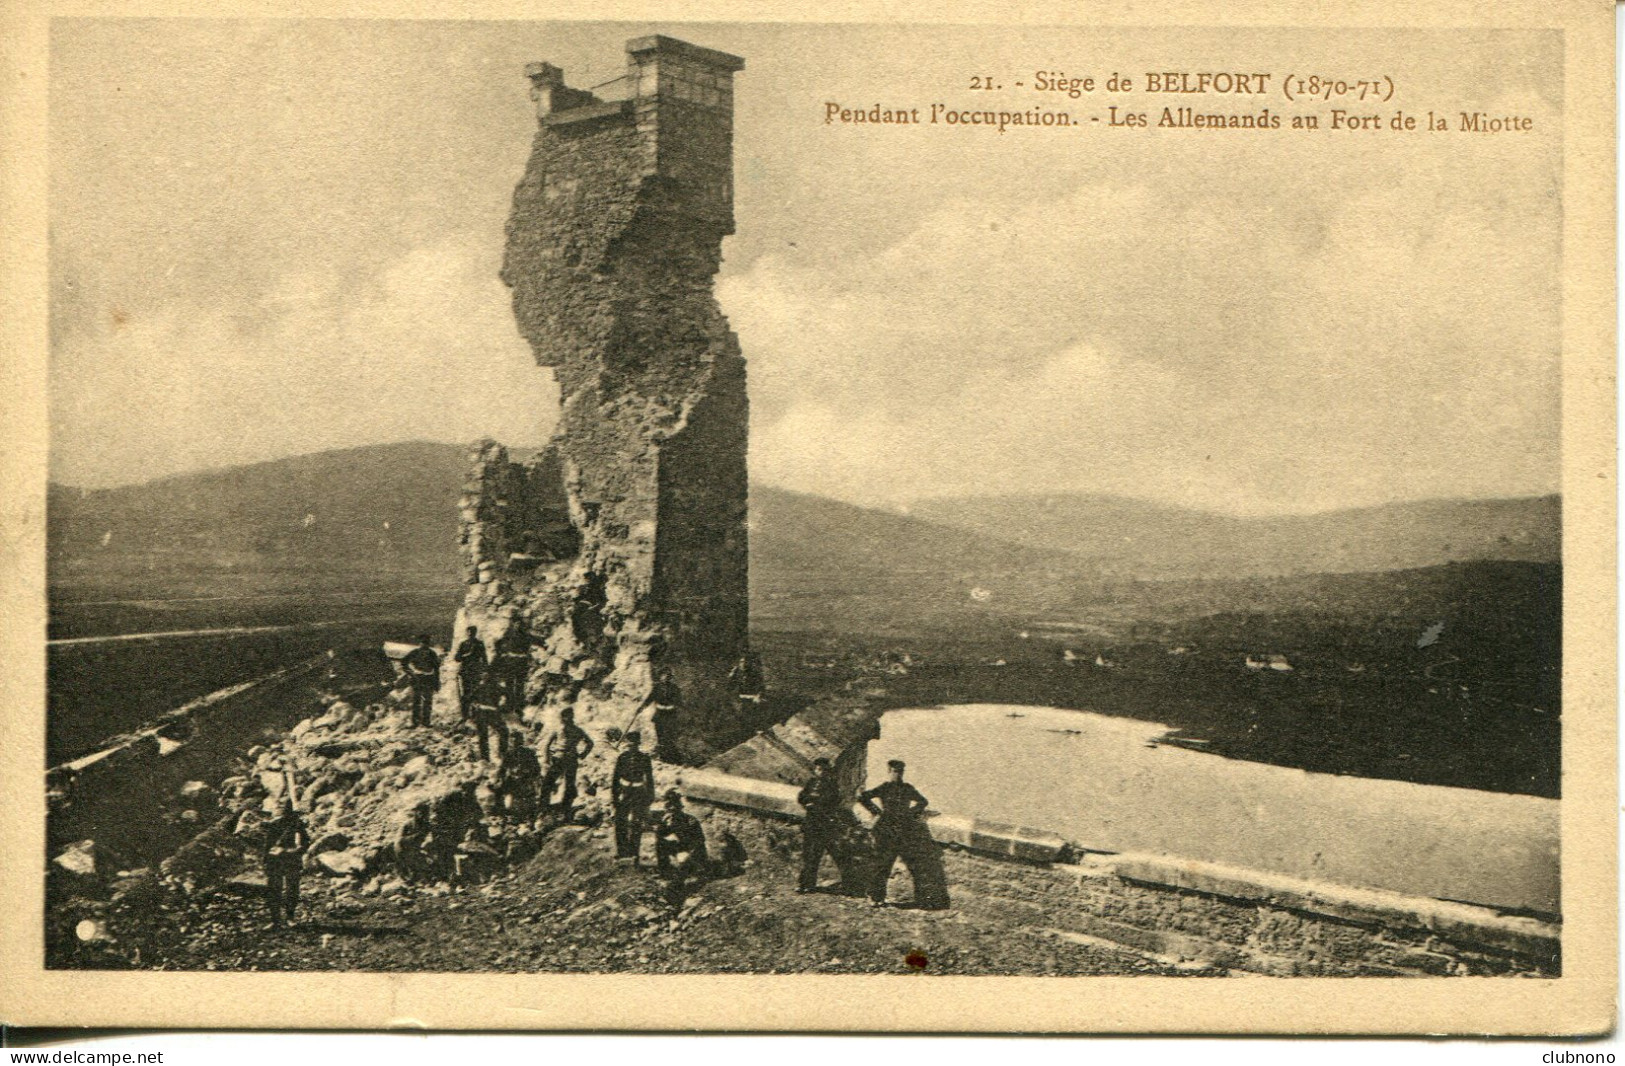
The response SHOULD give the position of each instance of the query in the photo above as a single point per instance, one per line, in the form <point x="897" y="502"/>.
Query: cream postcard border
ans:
<point x="1582" y="1001"/>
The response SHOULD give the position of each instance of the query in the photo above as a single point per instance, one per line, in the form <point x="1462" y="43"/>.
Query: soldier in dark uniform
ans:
<point x="896" y="828"/>
<point x="286" y="840"/>
<point x="518" y="775"/>
<point x="822" y="826"/>
<point x="746" y="677"/>
<point x="663" y="700"/>
<point x="632" y="791"/>
<point x="423" y="672"/>
<point x="471" y="669"/>
<point x="562" y="752"/>
<point x="680" y="848"/>
<point x="487" y="712"/>
<point x="512" y="666"/>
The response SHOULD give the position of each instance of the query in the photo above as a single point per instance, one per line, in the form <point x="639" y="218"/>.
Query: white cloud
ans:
<point x="1117" y="339"/>
<point x="1245" y="322"/>
<point x="425" y="349"/>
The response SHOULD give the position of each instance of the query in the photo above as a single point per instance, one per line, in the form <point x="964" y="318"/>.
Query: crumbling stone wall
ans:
<point x="612" y="246"/>
<point x="515" y="519"/>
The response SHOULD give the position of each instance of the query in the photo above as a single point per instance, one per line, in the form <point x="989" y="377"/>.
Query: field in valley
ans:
<point x="1444" y="676"/>
<point x="1369" y="694"/>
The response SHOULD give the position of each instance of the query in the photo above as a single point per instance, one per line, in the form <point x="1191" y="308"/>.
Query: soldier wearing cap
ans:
<point x="486" y="707"/>
<point x="286" y="841"/>
<point x="471" y="667"/>
<point x="512" y="666"/>
<point x="519" y="774"/>
<point x="423" y="672"/>
<point x="896" y="829"/>
<point x="662" y="702"/>
<point x="821" y="827"/>
<point x="680" y="847"/>
<point x="632" y="791"/>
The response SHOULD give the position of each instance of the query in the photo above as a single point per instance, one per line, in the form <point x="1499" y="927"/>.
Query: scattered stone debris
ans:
<point x="79" y="859"/>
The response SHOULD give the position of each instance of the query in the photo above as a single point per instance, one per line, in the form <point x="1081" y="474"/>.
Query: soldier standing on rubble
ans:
<point x="423" y="672"/>
<point x="663" y="699"/>
<point x="517" y="777"/>
<point x="562" y="753"/>
<point x="487" y="709"/>
<point x="897" y="821"/>
<point x="471" y="668"/>
<point x="512" y="665"/>
<point x="632" y="791"/>
<point x="286" y="840"/>
<point x="680" y="848"/>
<point x="821" y="827"/>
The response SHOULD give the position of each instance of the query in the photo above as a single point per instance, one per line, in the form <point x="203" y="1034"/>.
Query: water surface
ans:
<point x="1102" y="783"/>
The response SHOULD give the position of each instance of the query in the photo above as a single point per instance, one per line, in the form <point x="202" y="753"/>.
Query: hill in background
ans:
<point x="385" y="507"/>
<point x="393" y="508"/>
<point x="1135" y="538"/>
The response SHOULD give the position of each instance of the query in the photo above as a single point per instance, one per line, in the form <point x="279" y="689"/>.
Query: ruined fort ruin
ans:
<point x="621" y="551"/>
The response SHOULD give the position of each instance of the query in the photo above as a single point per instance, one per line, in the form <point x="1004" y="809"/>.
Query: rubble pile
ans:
<point x="379" y="798"/>
<point x="398" y="818"/>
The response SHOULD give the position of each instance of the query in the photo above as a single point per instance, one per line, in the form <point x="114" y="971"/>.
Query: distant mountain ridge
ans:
<point x="798" y="531"/>
<point x="1135" y="538"/>
<point x="394" y="507"/>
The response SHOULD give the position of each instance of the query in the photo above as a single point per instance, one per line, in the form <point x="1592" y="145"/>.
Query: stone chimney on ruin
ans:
<point x="622" y="550"/>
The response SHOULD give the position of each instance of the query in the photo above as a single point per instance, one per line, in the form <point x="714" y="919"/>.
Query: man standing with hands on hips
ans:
<point x="562" y="752"/>
<point x="899" y="833"/>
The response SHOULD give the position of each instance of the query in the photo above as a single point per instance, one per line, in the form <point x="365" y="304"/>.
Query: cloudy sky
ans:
<point x="271" y="238"/>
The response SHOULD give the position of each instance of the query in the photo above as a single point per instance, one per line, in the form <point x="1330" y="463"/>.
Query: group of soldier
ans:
<point x="898" y="832"/>
<point x="487" y="685"/>
<point x="490" y="687"/>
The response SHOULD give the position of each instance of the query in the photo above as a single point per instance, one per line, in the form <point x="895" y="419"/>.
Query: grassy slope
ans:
<point x="1136" y="538"/>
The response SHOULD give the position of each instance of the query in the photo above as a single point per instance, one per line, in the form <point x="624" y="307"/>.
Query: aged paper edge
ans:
<point x="1582" y="1001"/>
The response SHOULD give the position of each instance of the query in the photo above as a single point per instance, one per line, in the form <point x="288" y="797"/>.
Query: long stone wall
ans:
<point x="1204" y="916"/>
<point x="124" y="796"/>
<point x="622" y="552"/>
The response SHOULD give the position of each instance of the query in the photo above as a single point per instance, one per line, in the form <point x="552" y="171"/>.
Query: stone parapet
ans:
<point x="1204" y="917"/>
<point x="1463" y="923"/>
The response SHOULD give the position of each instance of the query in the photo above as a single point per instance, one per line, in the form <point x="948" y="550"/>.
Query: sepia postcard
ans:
<point x="874" y="518"/>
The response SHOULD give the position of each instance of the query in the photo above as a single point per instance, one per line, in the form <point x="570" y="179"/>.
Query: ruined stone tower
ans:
<point x="622" y="548"/>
